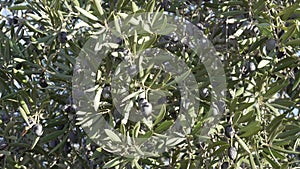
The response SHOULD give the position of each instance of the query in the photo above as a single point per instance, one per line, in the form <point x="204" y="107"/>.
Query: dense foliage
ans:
<point x="258" y="42"/>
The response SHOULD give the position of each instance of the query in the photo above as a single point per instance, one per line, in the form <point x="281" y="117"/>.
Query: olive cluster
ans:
<point x="232" y="151"/>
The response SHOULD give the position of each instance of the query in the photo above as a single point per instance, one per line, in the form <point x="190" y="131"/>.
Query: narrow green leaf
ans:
<point x="180" y="78"/>
<point x="24" y="115"/>
<point x="134" y="94"/>
<point x="136" y="129"/>
<point x="164" y="126"/>
<point x="97" y="98"/>
<point x="113" y="162"/>
<point x="239" y="92"/>
<point x="283" y="103"/>
<point x="289" y="33"/>
<point x="252" y="163"/>
<point x="174" y="141"/>
<point x="116" y="24"/>
<point x="86" y="14"/>
<point x="251" y="129"/>
<point x="243" y="144"/>
<point x="136" y="164"/>
<point x="297" y="81"/>
<point x="161" y="115"/>
<point x="197" y="128"/>
<point x="274" y="165"/>
<point x="99" y="7"/>
<point x="233" y="13"/>
<point x="52" y="136"/>
<point x="294" y="42"/>
<point x="36" y="140"/>
<point x="25" y="107"/>
<point x="33" y="16"/>
<point x="217" y="143"/>
<point x="284" y="63"/>
<point x="263" y="63"/>
<point x="289" y="133"/>
<point x="150" y="6"/>
<point x="246" y="117"/>
<point x="284" y="150"/>
<point x="18" y="7"/>
<point x="288" y="11"/>
<point x="114" y="137"/>
<point x="275" y="88"/>
<point x="134" y="6"/>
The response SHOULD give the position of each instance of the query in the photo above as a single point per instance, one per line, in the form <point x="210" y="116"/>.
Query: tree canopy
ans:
<point x="45" y="123"/>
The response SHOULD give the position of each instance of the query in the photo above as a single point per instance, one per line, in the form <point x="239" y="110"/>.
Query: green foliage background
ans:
<point x="262" y="105"/>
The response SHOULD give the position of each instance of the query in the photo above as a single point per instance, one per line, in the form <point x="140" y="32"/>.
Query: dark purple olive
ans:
<point x="60" y="127"/>
<point x="67" y="148"/>
<point x="270" y="44"/>
<point x="229" y="132"/>
<point x="106" y="92"/>
<point x="38" y="129"/>
<point x="280" y="55"/>
<point x="73" y="136"/>
<point x="232" y="153"/>
<point x="13" y="21"/>
<point x="53" y="143"/>
<point x="5" y="117"/>
<point x="225" y="165"/>
<point x="165" y="4"/>
<point x="62" y="37"/>
<point x="43" y="83"/>
<point x="71" y="109"/>
<point x="19" y="66"/>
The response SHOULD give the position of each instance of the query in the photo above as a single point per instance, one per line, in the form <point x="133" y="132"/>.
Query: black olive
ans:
<point x="62" y="37"/>
<point x="53" y="143"/>
<point x="71" y="109"/>
<point x="106" y="92"/>
<point x="73" y="137"/>
<point x="19" y="66"/>
<point x="270" y="44"/>
<point x="43" y="83"/>
<point x="67" y="148"/>
<point x="13" y="21"/>
<point x="38" y="129"/>
<point x="165" y="4"/>
<point x="225" y="165"/>
<point x="229" y="131"/>
<point x="60" y="127"/>
<point x="280" y="55"/>
<point x="232" y="153"/>
<point x="5" y="117"/>
<point x="245" y="70"/>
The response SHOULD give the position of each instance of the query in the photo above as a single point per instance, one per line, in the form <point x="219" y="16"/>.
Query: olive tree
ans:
<point x="44" y="123"/>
